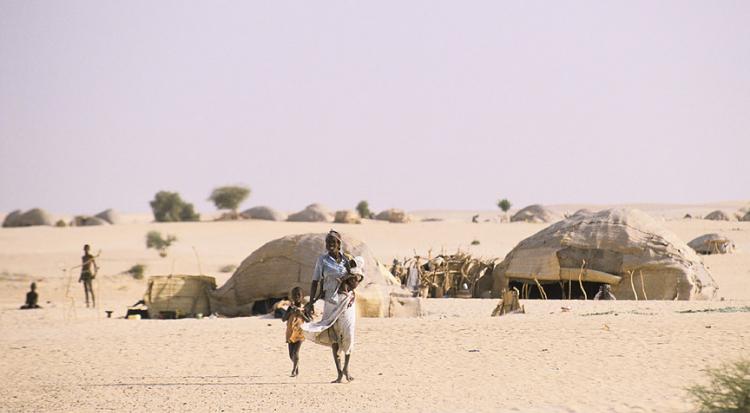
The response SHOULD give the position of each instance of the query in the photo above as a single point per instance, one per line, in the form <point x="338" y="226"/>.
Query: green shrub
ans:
<point x="136" y="271"/>
<point x="363" y="208"/>
<point x="169" y="207"/>
<point x="475" y="242"/>
<point x="729" y="390"/>
<point x="61" y="224"/>
<point x="504" y="205"/>
<point x="229" y="197"/>
<point x="155" y="240"/>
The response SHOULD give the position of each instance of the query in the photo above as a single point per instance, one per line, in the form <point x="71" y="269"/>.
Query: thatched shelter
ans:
<point x="712" y="244"/>
<point x="393" y="215"/>
<point x="718" y="215"/>
<point x="347" y="216"/>
<point x="746" y="217"/>
<point x="87" y="221"/>
<point x="312" y="213"/>
<point x="264" y="213"/>
<point x="271" y="271"/>
<point x="29" y="218"/>
<point x="178" y="296"/>
<point x="534" y="213"/>
<point x="109" y="215"/>
<point x="625" y="248"/>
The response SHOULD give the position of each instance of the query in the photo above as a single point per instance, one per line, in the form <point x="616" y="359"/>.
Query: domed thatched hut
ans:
<point x="622" y="247"/>
<point x="29" y="218"/>
<point x="264" y="213"/>
<point x="712" y="244"/>
<point x="312" y="213"/>
<point x="718" y="215"/>
<point x="534" y="213"/>
<point x="110" y="216"/>
<point x="272" y="270"/>
<point x="393" y="215"/>
<point x="347" y="216"/>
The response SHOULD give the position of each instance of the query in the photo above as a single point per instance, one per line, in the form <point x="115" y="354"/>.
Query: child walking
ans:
<point x="294" y="317"/>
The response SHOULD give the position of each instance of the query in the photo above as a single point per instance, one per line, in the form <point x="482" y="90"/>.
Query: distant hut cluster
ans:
<point x="38" y="216"/>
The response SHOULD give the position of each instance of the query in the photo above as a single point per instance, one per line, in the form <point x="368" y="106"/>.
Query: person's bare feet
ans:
<point x="339" y="379"/>
<point x="349" y="377"/>
<point x="295" y="372"/>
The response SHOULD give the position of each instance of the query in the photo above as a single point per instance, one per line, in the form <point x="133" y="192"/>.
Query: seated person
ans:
<point x="31" y="299"/>
<point x="605" y="293"/>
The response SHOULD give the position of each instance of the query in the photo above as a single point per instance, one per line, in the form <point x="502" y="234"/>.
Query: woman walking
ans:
<point x="339" y="276"/>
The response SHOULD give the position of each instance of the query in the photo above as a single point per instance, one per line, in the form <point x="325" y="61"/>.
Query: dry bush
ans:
<point x="728" y="391"/>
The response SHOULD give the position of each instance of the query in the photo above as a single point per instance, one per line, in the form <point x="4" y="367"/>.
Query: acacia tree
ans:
<point x="504" y="205"/>
<point x="169" y="207"/>
<point x="363" y="208"/>
<point x="229" y="197"/>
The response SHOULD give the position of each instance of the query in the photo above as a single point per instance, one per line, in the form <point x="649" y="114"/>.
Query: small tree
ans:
<point x="729" y="390"/>
<point x="229" y="197"/>
<point x="504" y="205"/>
<point x="169" y="207"/>
<point x="363" y="208"/>
<point x="156" y="241"/>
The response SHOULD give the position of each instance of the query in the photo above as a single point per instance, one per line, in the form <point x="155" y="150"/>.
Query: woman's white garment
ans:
<point x="337" y="324"/>
<point x="339" y="312"/>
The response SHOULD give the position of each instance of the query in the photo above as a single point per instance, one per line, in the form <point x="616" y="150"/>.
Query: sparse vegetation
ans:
<point x="229" y="197"/>
<point x="228" y="268"/>
<point x="155" y="240"/>
<point x="61" y="224"/>
<point x="136" y="271"/>
<point x="475" y="242"/>
<point x="363" y="208"/>
<point x="169" y="207"/>
<point x="729" y="390"/>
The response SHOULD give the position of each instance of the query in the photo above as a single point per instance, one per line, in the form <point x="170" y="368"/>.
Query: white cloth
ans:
<point x="337" y="324"/>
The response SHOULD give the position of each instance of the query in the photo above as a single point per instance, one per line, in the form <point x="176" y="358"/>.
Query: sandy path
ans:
<point x="635" y="357"/>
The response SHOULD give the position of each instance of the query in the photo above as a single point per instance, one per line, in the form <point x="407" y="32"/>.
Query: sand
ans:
<point x="599" y="356"/>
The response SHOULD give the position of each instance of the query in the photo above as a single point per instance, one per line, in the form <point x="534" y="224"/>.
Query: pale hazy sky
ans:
<point x="412" y="104"/>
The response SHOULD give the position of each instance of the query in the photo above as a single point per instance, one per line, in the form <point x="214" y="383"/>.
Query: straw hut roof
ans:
<point x="718" y="215"/>
<point x="312" y="213"/>
<point x="272" y="270"/>
<point x="712" y="244"/>
<point x="88" y="221"/>
<point x="29" y="218"/>
<point x="11" y="220"/>
<point x="264" y="213"/>
<point x="610" y="247"/>
<point x="534" y="213"/>
<point x="393" y="215"/>
<point x="347" y="216"/>
<point x="109" y="215"/>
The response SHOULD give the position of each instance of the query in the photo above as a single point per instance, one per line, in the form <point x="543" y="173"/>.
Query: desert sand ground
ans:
<point x="600" y="356"/>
